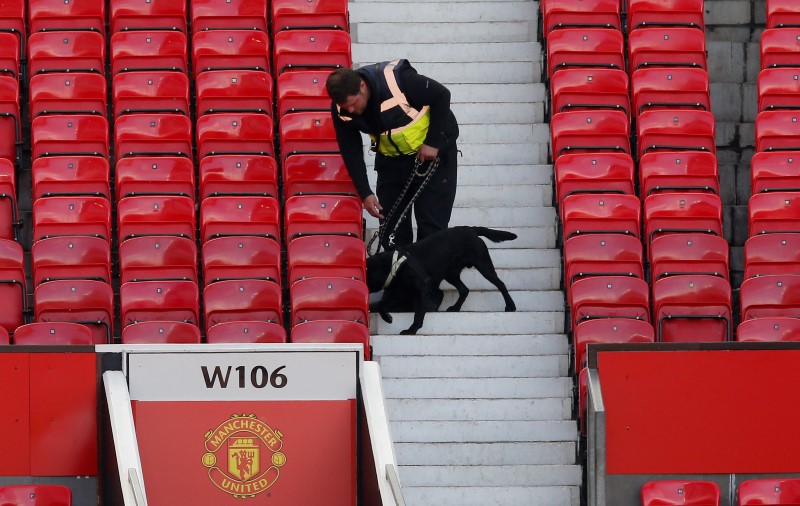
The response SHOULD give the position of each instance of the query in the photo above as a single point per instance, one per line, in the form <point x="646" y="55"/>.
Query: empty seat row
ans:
<point x="761" y="491"/>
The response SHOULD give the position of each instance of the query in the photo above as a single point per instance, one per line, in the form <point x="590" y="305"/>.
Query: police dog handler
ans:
<point x="408" y="118"/>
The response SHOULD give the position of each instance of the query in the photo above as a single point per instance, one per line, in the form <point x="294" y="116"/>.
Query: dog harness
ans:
<point x="398" y="259"/>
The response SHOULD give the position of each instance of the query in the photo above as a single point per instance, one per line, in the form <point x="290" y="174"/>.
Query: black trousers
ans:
<point x="433" y="207"/>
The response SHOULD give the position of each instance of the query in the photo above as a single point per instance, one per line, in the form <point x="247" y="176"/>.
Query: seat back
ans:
<point x="779" y="47"/>
<point x="777" y="253"/>
<point x="154" y="175"/>
<point x="666" y="47"/>
<point x="152" y="91"/>
<point x="323" y="214"/>
<point x="329" y="15"/>
<point x="770" y="296"/>
<point x="36" y="495"/>
<point x="692" y="308"/>
<point x="602" y="255"/>
<point x="74" y="93"/>
<point x="150" y="15"/>
<point x="229" y="14"/>
<point x="781" y="491"/>
<point x="234" y="91"/>
<point x="234" y="133"/>
<point x="241" y="257"/>
<point x="590" y="131"/>
<point x="594" y="173"/>
<point x="592" y="13"/>
<point x="71" y="176"/>
<point x="327" y="256"/>
<point x="254" y="175"/>
<point x="157" y="257"/>
<point x="239" y="215"/>
<point x="329" y="299"/>
<point x="153" y="135"/>
<point x="71" y="257"/>
<point x="589" y="89"/>
<point x="609" y="297"/>
<point x="55" y="216"/>
<point x="87" y="302"/>
<point x="246" y="332"/>
<point x="160" y="332"/>
<point x="663" y="13"/>
<point x="156" y="215"/>
<point x="159" y="300"/>
<point x="782" y="14"/>
<point x="230" y="49"/>
<point x="307" y="132"/>
<point x="242" y="300"/>
<point x="777" y="130"/>
<point x="13" y="285"/>
<point x="774" y="171"/>
<point x="680" y="492"/>
<point x="609" y="330"/>
<point x="676" y="130"/>
<point x="316" y="173"/>
<point x="771" y="329"/>
<point x="670" y="88"/>
<point x="66" y="51"/>
<point x="301" y="90"/>
<point x="601" y="214"/>
<point x="311" y="49"/>
<point x="53" y="333"/>
<point x="69" y="134"/>
<point x="333" y="331"/>
<point x="584" y="47"/>
<point x="151" y="50"/>
<point x="774" y="212"/>
<point x="666" y="213"/>
<point x="689" y="253"/>
<point x="56" y="15"/>
<point x="681" y="171"/>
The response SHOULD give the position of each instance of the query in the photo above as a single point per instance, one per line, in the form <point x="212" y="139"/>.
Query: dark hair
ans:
<point x="343" y="83"/>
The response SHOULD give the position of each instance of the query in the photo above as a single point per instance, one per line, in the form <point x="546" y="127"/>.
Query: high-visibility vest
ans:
<point x="406" y="127"/>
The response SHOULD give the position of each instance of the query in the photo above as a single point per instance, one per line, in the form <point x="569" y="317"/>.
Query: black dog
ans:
<point x="412" y="271"/>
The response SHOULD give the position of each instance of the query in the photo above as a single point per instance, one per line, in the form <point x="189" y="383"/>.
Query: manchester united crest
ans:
<point x="243" y="456"/>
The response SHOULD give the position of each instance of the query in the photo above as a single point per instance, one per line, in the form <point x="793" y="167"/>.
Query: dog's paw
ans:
<point x="408" y="332"/>
<point x="387" y="317"/>
<point x="511" y="308"/>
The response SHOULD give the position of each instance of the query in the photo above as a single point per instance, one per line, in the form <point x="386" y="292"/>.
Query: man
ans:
<point x="408" y="117"/>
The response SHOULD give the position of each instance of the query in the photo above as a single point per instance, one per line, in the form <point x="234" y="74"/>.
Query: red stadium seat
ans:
<point x="594" y="173"/>
<point x="681" y="171"/>
<point x="157" y="257"/>
<point x="584" y="14"/>
<point x="770" y="296"/>
<point x="609" y="330"/>
<point x="307" y="132"/>
<point x="246" y="332"/>
<point x="779" y="88"/>
<point x="242" y="300"/>
<point x="777" y="491"/>
<point x="69" y="134"/>
<point x="230" y="49"/>
<point x="769" y="330"/>
<point x="692" y="308"/>
<point x="666" y="47"/>
<point x="333" y="331"/>
<point x="327" y="256"/>
<point x="584" y="47"/>
<point x="660" y="13"/>
<point x="4" y="339"/>
<point x="147" y="15"/>
<point x="71" y="257"/>
<point x="229" y="14"/>
<point x="154" y="175"/>
<point x="778" y="131"/>
<point x="152" y="50"/>
<point x="676" y="130"/>
<point x="688" y="253"/>
<point x="255" y="175"/>
<point x="323" y="214"/>
<point x="590" y="131"/>
<point x="234" y="134"/>
<point x="157" y="91"/>
<point x="9" y="56"/>
<point x="311" y="49"/>
<point x="601" y="214"/>
<point x="70" y="175"/>
<point x="239" y="215"/>
<point x="56" y="216"/>
<point x="329" y="299"/>
<point x="590" y="88"/>
<point x="774" y="212"/>
<point x="74" y="51"/>
<point x="609" y="297"/>
<point x="53" y="333"/>
<point x="13" y="285"/>
<point x="36" y="495"/>
<point x="234" y="91"/>
<point x="779" y="47"/>
<point x="87" y="302"/>
<point x="158" y="332"/>
<point x="153" y="135"/>
<point x="58" y="15"/>
<point x="10" y="119"/>
<point x="302" y="90"/>
<point x="9" y="214"/>
<point x="159" y="300"/>
<point x="670" y="88"/>
<point x="318" y="14"/>
<point x="74" y="93"/>
<point x="782" y="14"/>
<point x="12" y="21"/>
<point x="774" y="171"/>
<point x="155" y="215"/>
<point x="680" y="493"/>
<point x="666" y="213"/>
<point x="777" y="253"/>
<point x="241" y="257"/>
<point x="316" y="173"/>
<point x="602" y="255"/>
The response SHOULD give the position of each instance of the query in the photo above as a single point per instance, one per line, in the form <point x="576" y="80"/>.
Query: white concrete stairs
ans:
<point x="480" y="401"/>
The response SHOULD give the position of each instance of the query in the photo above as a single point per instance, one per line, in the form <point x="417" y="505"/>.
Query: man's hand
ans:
<point x="427" y="153"/>
<point x="373" y="207"/>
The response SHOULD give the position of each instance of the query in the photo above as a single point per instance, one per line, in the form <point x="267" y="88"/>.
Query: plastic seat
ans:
<point x="13" y="285"/>
<point x="155" y="257"/>
<point x="666" y="47"/>
<point x="584" y="47"/>
<point x="661" y="13"/>
<point x="71" y="176"/>
<point x="234" y="91"/>
<point x="159" y="300"/>
<point x="9" y="56"/>
<point x="147" y="15"/>
<point x="778" y="131"/>
<point x="155" y="215"/>
<point x="239" y="215"/>
<point x="594" y="173"/>
<point x="242" y="300"/>
<point x="309" y="132"/>
<point x="769" y="330"/>
<point x="609" y="297"/>
<point x="583" y="14"/>
<point x="74" y="93"/>
<point x="589" y="131"/>
<point x="230" y="49"/>
<point x="246" y="332"/>
<point x="680" y="493"/>
<point x="302" y="90"/>
<point x="235" y="134"/>
<point x="689" y="253"/>
<point x="609" y="330"/>
<point x="670" y="88"/>
<point x="777" y="491"/>
<point x="774" y="212"/>
<point x="676" y="130"/>
<point x="12" y="21"/>
<point x="602" y="255"/>
<point x="241" y="257"/>
<point x="327" y="256"/>
<point x="87" y="302"/>
<point x="71" y="257"/>
<point x="53" y="333"/>
<point x="69" y="134"/>
<point x="692" y="308"/>
<point x="57" y="15"/>
<point x="73" y="51"/>
<point x="154" y="175"/>
<point x="777" y="253"/>
<point x="779" y="47"/>
<point x="229" y="14"/>
<point x="152" y="50"/>
<point x="316" y="173"/>
<point x="318" y="14"/>
<point x="770" y="296"/>
<point x="332" y="331"/>
<point x="779" y="88"/>
<point x="36" y="495"/>
<point x="153" y="135"/>
<point x="57" y="216"/>
<point x="590" y="88"/>
<point x="10" y="120"/>
<point x="255" y="175"/>
<point x="775" y="171"/>
<point x="311" y="49"/>
<point x="4" y="338"/>
<point x="601" y="214"/>
<point x="329" y="299"/>
<point x="681" y="171"/>
<point x="159" y="91"/>
<point x="9" y="214"/>
<point x="323" y="214"/>
<point x="782" y="14"/>
<point x="157" y="332"/>
<point x="666" y="213"/>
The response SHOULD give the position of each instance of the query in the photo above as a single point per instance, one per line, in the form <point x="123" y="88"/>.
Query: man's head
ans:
<point x="348" y="90"/>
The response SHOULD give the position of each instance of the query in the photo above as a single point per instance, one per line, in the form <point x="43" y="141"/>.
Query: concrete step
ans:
<point x="443" y="32"/>
<point x="491" y="300"/>
<point x="490" y="476"/>
<point x="472" y="174"/>
<point x="501" y="133"/>
<point x="525" y="323"/>
<point x="481" y="72"/>
<point x="527" y="237"/>
<point x="453" y="12"/>
<point x="497" y="93"/>
<point x="554" y="408"/>
<point x="486" y="454"/>
<point x="524" y="366"/>
<point x="492" y="496"/>
<point x="525" y="259"/>
<point x="535" y="278"/>
<point x="478" y="431"/>
<point x="504" y="218"/>
<point x="483" y="388"/>
<point x="496" y="51"/>
<point x="541" y="344"/>
<point x="488" y="114"/>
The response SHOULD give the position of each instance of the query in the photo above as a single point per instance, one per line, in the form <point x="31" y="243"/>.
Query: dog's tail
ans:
<point x="494" y="235"/>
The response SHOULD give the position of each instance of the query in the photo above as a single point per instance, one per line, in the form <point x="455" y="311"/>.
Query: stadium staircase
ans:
<point x="480" y="402"/>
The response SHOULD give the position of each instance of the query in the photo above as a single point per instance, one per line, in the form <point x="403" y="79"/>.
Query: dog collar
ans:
<point x="397" y="261"/>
